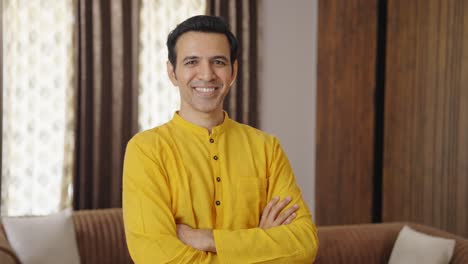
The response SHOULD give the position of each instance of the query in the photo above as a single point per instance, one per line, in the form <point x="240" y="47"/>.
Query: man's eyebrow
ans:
<point x="190" y="58"/>
<point x="220" y="57"/>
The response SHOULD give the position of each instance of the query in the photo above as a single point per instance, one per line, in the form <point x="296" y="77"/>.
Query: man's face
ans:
<point x="203" y="71"/>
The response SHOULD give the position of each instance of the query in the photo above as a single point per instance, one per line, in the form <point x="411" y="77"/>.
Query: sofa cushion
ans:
<point x="43" y="239"/>
<point x="415" y="247"/>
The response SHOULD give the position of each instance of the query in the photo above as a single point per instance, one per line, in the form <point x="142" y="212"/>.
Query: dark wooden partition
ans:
<point x="392" y="106"/>
<point x="345" y="111"/>
<point x="425" y="176"/>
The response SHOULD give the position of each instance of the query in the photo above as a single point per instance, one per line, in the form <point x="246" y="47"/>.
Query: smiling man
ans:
<point x="203" y="188"/>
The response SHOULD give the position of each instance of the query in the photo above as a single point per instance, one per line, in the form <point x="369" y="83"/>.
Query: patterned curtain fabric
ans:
<point x="107" y="99"/>
<point x="105" y="103"/>
<point x="158" y="98"/>
<point x="37" y="105"/>
<point x="241" y="102"/>
<point x="1" y="102"/>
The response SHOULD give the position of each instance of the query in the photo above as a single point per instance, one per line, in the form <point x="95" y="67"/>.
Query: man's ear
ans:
<point x="235" y="67"/>
<point x="171" y="73"/>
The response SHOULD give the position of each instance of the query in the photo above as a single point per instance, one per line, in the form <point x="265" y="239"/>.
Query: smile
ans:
<point x="205" y="89"/>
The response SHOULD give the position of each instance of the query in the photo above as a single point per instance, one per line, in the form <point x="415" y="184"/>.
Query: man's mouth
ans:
<point x="205" y="89"/>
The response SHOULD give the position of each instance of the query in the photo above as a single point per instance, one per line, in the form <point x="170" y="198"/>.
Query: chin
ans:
<point x="208" y="110"/>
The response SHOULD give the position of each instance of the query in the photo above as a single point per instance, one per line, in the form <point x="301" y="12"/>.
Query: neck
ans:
<point x="206" y="120"/>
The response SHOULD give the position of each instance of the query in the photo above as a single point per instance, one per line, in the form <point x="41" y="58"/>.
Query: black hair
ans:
<point x="202" y="23"/>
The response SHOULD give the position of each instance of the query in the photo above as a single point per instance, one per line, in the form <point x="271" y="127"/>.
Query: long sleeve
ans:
<point x="150" y="226"/>
<point x="293" y="243"/>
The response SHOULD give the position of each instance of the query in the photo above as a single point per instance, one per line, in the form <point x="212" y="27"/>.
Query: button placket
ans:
<point x="215" y="160"/>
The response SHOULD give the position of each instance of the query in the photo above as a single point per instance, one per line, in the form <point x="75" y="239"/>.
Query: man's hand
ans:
<point x="201" y="239"/>
<point x="270" y="217"/>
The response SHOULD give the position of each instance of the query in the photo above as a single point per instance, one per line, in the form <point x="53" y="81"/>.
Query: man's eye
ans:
<point x="192" y="62"/>
<point x="219" y="62"/>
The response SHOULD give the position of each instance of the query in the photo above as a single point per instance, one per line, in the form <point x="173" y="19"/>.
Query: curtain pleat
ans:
<point x="242" y="102"/>
<point x="106" y="99"/>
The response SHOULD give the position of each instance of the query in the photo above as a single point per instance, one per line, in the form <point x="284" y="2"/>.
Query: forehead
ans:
<point x="202" y="44"/>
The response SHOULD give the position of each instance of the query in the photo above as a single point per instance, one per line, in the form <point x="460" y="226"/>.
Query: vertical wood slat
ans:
<point x="347" y="42"/>
<point x="425" y="166"/>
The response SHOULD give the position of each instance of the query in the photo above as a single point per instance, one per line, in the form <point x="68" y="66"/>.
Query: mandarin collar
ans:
<point x="177" y="120"/>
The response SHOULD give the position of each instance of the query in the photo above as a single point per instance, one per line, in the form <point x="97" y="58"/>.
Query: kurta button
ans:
<point x="215" y="157"/>
<point x="218" y="202"/>
<point x="218" y="179"/>
<point x="211" y="140"/>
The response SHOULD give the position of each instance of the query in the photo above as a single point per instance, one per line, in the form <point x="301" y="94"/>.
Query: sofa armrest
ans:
<point x="355" y="244"/>
<point x="7" y="255"/>
<point x="373" y="243"/>
<point x="100" y="236"/>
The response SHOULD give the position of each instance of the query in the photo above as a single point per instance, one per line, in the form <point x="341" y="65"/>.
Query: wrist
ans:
<point x="209" y="240"/>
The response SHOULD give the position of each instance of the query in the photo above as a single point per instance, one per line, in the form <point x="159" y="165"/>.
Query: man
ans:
<point x="203" y="188"/>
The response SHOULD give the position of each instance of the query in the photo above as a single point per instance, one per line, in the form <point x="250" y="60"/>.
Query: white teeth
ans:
<point x="204" y="90"/>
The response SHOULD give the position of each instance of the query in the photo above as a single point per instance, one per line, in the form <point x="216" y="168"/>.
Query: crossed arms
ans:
<point x="272" y="216"/>
<point x="154" y="235"/>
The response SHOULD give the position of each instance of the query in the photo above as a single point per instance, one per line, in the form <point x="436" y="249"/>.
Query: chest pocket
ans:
<point x="251" y="197"/>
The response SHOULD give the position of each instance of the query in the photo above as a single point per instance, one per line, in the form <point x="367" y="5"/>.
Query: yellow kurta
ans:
<point x="179" y="173"/>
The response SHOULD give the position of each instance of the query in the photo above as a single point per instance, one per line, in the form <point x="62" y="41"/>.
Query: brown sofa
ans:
<point x="101" y="240"/>
<point x="99" y="234"/>
<point x="373" y="243"/>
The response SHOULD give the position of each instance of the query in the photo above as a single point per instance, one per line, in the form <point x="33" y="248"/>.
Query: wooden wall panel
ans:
<point x="425" y="168"/>
<point x="345" y="111"/>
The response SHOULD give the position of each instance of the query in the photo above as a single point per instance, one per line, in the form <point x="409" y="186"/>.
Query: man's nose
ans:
<point x="206" y="72"/>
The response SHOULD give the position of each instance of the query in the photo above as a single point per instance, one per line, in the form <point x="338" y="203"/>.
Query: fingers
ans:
<point x="286" y="215"/>
<point x="267" y="209"/>
<point x="271" y="216"/>
<point x="289" y="219"/>
<point x="278" y="208"/>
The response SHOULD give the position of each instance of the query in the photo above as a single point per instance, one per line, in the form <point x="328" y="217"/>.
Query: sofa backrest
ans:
<point x="100" y="236"/>
<point x="101" y="239"/>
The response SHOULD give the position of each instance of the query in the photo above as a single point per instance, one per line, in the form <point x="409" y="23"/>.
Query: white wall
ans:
<point x="287" y="79"/>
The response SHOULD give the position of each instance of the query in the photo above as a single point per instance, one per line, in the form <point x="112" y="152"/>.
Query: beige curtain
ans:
<point x="1" y="95"/>
<point x="37" y="137"/>
<point x="107" y="100"/>
<point x="242" y="102"/>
